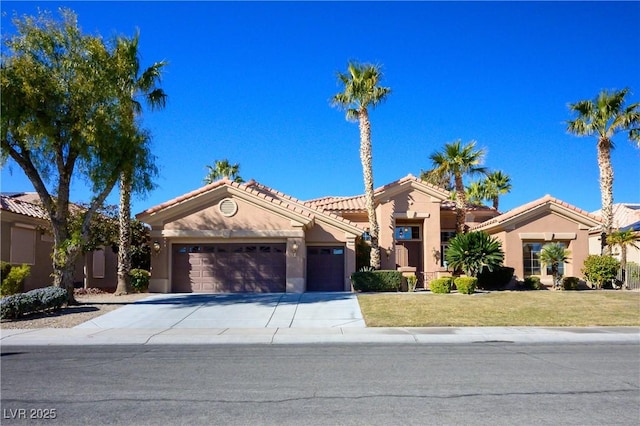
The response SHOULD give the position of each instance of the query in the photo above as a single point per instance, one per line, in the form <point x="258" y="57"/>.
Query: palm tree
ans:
<point x="623" y="239"/>
<point x="496" y="184"/>
<point x="476" y="192"/>
<point x="222" y="169"/>
<point x="458" y="161"/>
<point x="553" y="254"/>
<point x="474" y="251"/>
<point x="362" y="91"/>
<point x="133" y="86"/>
<point x="605" y="116"/>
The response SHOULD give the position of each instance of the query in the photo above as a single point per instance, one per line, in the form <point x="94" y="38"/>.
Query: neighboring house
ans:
<point x="625" y="216"/>
<point x="24" y="240"/>
<point x="523" y="232"/>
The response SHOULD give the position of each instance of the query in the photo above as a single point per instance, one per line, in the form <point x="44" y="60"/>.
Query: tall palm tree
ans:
<point x="496" y="184"/>
<point x="135" y="86"/>
<point x="623" y="239"/>
<point x="362" y="91"/>
<point x="222" y="169"/>
<point x="553" y="254"/>
<point x="605" y="116"/>
<point x="458" y="161"/>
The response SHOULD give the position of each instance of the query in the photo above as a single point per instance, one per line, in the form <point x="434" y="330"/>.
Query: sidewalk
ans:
<point x="431" y="335"/>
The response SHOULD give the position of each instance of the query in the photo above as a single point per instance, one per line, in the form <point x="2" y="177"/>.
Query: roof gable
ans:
<point x="253" y="192"/>
<point x="357" y="203"/>
<point x="546" y="204"/>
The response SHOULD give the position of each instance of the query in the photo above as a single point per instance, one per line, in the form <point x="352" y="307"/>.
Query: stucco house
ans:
<point x="24" y="240"/>
<point x="232" y="237"/>
<point x="524" y="230"/>
<point x="626" y="216"/>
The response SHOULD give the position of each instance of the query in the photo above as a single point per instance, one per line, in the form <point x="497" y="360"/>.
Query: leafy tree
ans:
<point x="457" y="161"/>
<point x="60" y="120"/>
<point x="553" y="254"/>
<point x="362" y="91"/>
<point x="223" y="169"/>
<point x="605" y="116"/>
<point x="600" y="270"/>
<point x="135" y="87"/>
<point x="473" y="251"/>
<point x="623" y="239"/>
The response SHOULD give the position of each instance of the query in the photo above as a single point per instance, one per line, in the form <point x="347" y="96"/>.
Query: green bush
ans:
<point x="466" y="285"/>
<point x="532" y="283"/>
<point x="376" y="280"/>
<point x="600" y="270"/>
<point x="570" y="283"/>
<point x="40" y="299"/>
<point x="139" y="280"/>
<point x="13" y="278"/>
<point x="441" y="285"/>
<point x="474" y="251"/>
<point x="497" y="279"/>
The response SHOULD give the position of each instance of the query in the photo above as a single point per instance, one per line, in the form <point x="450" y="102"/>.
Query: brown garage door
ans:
<point x="325" y="269"/>
<point x="229" y="268"/>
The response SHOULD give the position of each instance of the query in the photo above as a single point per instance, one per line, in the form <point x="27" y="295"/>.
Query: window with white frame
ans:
<point x="531" y="260"/>
<point x="445" y="237"/>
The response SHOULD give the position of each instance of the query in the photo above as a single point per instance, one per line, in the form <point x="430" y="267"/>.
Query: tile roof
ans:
<point x="257" y="189"/>
<point x="356" y="203"/>
<point x="16" y="203"/>
<point x="546" y="200"/>
<point x="624" y="214"/>
<point x="343" y="204"/>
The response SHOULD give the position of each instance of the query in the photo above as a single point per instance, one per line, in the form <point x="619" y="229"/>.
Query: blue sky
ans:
<point x="251" y="82"/>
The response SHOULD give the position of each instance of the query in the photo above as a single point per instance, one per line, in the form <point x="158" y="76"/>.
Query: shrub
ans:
<point x="139" y="280"/>
<point x="376" y="280"/>
<point x="532" y="283"/>
<point x="600" y="269"/>
<point x="441" y="285"/>
<point x="412" y="280"/>
<point x="466" y="285"/>
<point x="13" y="279"/>
<point x="496" y="279"/>
<point x="474" y="251"/>
<point x="570" y="283"/>
<point x="5" y="267"/>
<point x="40" y="299"/>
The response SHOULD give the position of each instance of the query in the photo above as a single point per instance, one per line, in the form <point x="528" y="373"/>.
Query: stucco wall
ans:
<point x="545" y="228"/>
<point x="248" y="216"/>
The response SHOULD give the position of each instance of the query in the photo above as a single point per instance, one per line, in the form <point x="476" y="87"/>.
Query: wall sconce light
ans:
<point x="156" y="247"/>
<point x="294" y="248"/>
<point x="388" y="252"/>
<point x="436" y="254"/>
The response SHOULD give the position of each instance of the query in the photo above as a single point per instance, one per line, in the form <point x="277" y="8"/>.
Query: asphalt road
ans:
<point x="485" y="383"/>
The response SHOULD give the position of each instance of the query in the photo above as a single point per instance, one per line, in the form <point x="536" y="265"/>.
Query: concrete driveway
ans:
<point x="272" y="310"/>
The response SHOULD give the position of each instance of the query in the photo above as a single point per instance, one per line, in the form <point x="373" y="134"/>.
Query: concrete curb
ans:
<point x="275" y="336"/>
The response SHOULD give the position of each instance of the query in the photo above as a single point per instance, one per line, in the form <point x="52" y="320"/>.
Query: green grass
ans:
<point x="517" y="308"/>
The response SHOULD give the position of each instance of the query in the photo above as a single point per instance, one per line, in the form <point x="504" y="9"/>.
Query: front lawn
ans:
<point x="506" y="308"/>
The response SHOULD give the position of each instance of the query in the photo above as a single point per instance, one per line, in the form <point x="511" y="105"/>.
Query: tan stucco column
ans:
<point x="350" y="262"/>
<point x="387" y="223"/>
<point x="159" y="281"/>
<point x="432" y="227"/>
<point x="296" y="262"/>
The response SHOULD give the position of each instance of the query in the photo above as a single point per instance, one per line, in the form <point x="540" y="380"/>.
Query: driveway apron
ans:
<point x="270" y="310"/>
